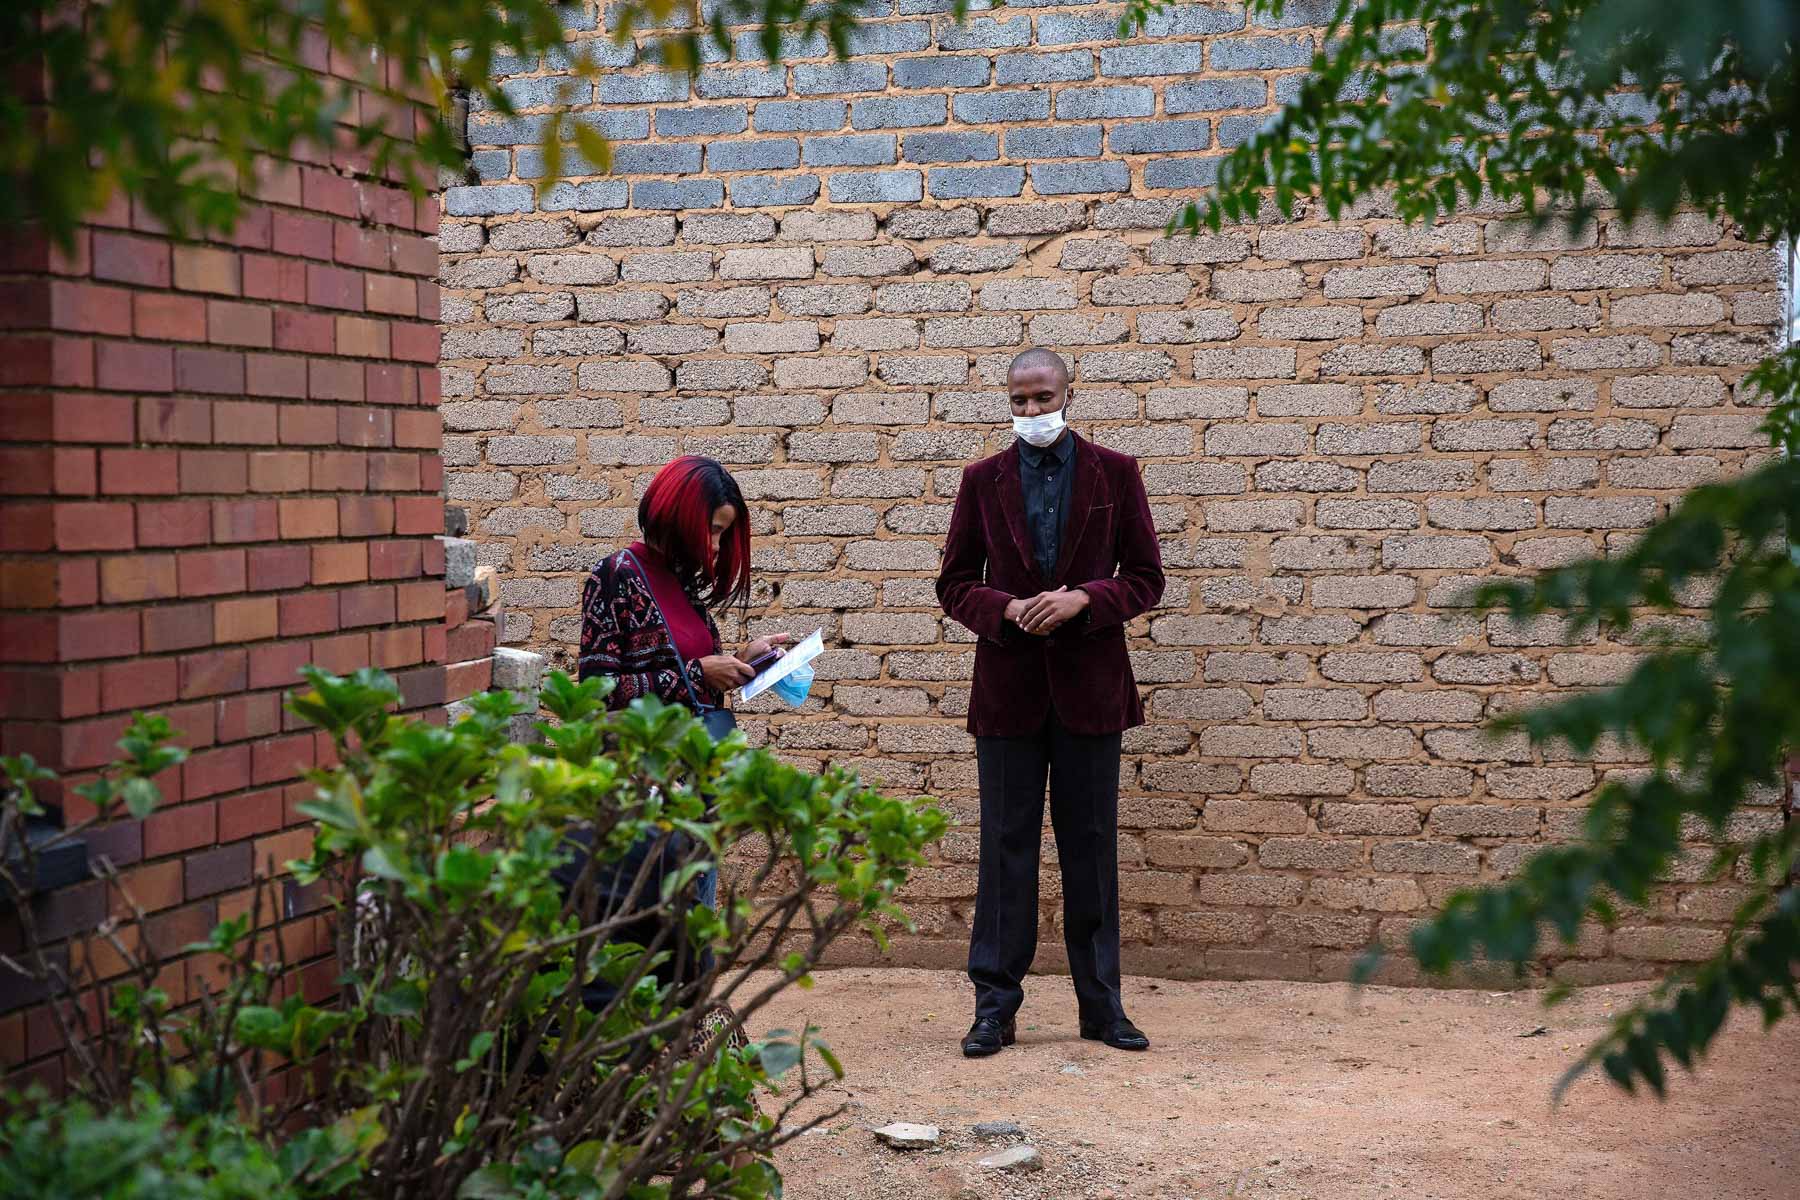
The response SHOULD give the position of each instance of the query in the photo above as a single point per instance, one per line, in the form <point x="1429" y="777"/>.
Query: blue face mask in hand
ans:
<point x="793" y="688"/>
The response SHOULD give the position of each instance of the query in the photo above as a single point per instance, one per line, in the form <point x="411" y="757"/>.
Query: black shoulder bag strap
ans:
<point x="719" y="722"/>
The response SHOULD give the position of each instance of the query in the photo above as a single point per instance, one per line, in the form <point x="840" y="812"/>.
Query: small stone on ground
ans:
<point x="1021" y="1160"/>
<point x="904" y="1135"/>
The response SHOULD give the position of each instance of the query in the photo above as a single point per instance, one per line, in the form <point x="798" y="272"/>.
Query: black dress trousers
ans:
<point x="1083" y="774"/>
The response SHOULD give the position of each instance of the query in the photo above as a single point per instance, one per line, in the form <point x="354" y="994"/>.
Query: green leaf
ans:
<point x="584" y="1157"/>
<point x="778" y="1058"/>
<point x="260" y="1026"/>
<point x="405" y="999"/>
<point x="465" y="869"/>
<point x="594" y="147"/>
<point x="141" y="797"/>
<point x="492" y="1182"/>
<point x="22" y="772"/>
<point x="479" y="1045"/>
<point x="831" y="1060"/>
<point x="376" y="861"/>
<point x="102" y="793"/>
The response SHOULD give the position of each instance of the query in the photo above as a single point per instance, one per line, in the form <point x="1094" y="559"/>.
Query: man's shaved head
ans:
<point x="1038" y="357"/>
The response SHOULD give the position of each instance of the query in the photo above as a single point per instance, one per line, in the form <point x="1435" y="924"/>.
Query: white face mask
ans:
<point x="1041" y="430"/>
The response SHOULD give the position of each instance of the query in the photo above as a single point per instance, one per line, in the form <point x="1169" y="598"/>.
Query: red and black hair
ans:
<point x="676" y="517"/>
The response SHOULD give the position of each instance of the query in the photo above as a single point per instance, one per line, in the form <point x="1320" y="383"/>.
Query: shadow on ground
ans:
<point x="1283" y="1091"/>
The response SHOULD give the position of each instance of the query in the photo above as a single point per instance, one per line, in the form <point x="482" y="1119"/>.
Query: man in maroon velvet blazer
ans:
<point x="1051" y="551"/>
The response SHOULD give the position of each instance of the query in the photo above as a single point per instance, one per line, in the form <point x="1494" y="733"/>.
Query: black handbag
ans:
<point x="718" y="722"/>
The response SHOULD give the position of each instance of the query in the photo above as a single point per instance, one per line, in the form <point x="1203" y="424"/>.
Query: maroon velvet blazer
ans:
<point x="1109" y="549"/>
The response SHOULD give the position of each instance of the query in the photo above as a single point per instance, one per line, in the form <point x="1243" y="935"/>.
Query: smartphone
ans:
<point x="759" y="665"/>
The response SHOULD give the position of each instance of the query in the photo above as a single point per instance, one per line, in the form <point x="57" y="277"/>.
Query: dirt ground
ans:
<point x="1282" y="1091"/>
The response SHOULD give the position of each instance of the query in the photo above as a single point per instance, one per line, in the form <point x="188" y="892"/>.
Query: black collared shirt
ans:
<point x="1047" y="477"/>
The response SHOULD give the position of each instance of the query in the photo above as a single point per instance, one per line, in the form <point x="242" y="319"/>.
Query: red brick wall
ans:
<point x="218" y="462"/>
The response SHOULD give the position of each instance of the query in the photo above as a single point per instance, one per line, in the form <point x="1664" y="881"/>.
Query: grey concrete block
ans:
<point x="840" y="78"/>
<point x="748" y="46"/>
<point x="1105" y="102"/>
<point x="957" y="71"/>
<point x="795" y="116"/>
<point x="1073" y="178"/>
<point x="951" y="147"/>
<point x="676" y="158"/>
<point x="685" y="193"/>
<point x="1057" y="141"/>
<point x="702" y="120"/>
<point x="923" y="223"/>
<point x="656" y="87"/>
<point x="491" y="164"/>
<point x="985" y="33"/>
<point x="1262" y="53"/>
<point x="594" y="196"/>
<point x="1033" y="220"/>
<point x="1159" y="137"/>
<point x="731" y="83"/>
<point x="726" y="229"/>
<point x="1174" y="58"/>
<point x="581" y="17"/>
<point x="506" y="131"/>
<point x="620" y="125"/>
<point x="898" y="37"/>
<point x="1215" y="95"/>
<point x="770" y="191"/>
<point x="1191" y="19"/>
<point x="1235" y="131"/>
<point x="1070" y="29"/>
<point x="1044" y="68"/>
<point x="632" y="231"/>
<point x="768" y="154"/>
<point x="899" y="112"/>
<point x="602" y="52"/>
<point x="876" y="187"/>
<point x="987" y="108"/>
<point x="531" y="164"/>
<point x="1181" y="173"/>
<point x="488" y="201"/>
<point x="459" y="562"/>
<point x="961" y="183"/>
<point x="850" y="150"/>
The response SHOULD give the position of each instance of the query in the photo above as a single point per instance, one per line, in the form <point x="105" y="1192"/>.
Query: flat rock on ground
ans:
<point x="1021" y="1159"/>
<point x="904" y="1135"/>
<point x="1283" y="1091"/>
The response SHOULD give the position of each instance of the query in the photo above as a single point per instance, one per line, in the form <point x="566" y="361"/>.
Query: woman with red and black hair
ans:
<point x="647" y="622"/>
<point x="647" y="611"/>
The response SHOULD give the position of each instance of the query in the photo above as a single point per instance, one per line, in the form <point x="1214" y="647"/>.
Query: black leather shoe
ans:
<point x="987" y="1035"/>
<point x="1120" y="1034"/>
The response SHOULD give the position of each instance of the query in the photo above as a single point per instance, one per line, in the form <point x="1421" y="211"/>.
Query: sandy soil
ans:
<point x="1282" y="1091"/>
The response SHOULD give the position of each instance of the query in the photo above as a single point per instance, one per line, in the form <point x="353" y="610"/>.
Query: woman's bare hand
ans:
<point x="763" y="645"/>
<point x="723" y="672"/>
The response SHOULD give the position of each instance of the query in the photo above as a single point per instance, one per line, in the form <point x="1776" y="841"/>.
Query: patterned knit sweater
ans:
<point x="622" y="636"/>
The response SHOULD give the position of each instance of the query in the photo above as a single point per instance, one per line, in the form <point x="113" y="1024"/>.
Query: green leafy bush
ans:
<point x="62" y="1149"/>
<point x="460" y="1056"/>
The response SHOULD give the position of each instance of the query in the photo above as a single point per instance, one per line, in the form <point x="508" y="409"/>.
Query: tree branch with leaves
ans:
<point x="185" y="106"/>
<point x="1561" y="109"/>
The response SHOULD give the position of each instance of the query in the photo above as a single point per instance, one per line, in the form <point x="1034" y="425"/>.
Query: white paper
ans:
<point x="787" y="664"/>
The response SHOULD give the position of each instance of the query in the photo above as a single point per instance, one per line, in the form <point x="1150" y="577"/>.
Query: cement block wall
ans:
<point x="818" y="272"/>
